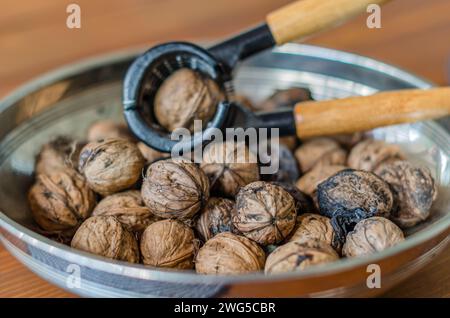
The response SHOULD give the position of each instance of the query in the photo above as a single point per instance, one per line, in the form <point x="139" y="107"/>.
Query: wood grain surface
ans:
<point x="34" y="39"/>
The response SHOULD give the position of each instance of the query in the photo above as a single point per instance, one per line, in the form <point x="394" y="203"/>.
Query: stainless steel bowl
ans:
<point x="68" y="100"/>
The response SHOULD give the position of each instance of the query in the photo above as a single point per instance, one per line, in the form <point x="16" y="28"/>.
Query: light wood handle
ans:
<point x="354" y="114"/>
<point x="303" y="18"/>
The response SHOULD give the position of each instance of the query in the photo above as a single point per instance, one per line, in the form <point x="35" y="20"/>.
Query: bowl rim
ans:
<point x="141" y="271"/>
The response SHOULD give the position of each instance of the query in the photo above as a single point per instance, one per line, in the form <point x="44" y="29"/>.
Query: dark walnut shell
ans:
<point x="296" y="256"/>
<point x="414" y="191"/>
<point x="169" y="244"/>
<point x="265" y="212"/>
<point x="215" y="218"/>
<point x="229" y="166"/>
<point x="303" y="203"/>
<point x="61" y="200"/>
<point x="111" y="165"/>
<point x="288" y="170"/>
<point x="372" y="235"/>
<point x="285" y="98"/>
<point x="352" y="195"/>
<point x="106" y="236"/>
<point x="175" y="189"/>
<point x="310" y="226"/>
<point x="106" y="129"/>
<point x="369" y="154"/>
<point x="127" y="207"/>
<point x="60" y="153"/>
<point x="309" y="181"/>
<point x="320" y="152"/>
<point x="150" y="155"/>
<point x="228" y="254"/>
<point x="185" y="96"/>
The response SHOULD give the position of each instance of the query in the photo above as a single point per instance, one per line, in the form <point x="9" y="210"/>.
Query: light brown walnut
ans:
<point x="372" y="235"/>
<point x="60" y="201"/>
<point x="265" y="212"/>
<point x="229" y="254"/>
<point x="127" y="207"/>
<point x="170" y="244"/>
<point x="106" y="129"/>
<point x="297" y="256"/>
<point x="111" y="165"/>
<point x="106" y="236"/>
<point x="175" y="189"/>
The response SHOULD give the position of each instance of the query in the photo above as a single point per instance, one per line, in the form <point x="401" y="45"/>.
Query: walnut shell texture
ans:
<point x="106" y="129"/>
<point x="111" y="165"/>
<point x="309" y="181"/>
<point x="106" y="236"/>
<point x="60" y="153"/>
<point x="285" y="98"/>
<point x="150" y="155"/>
<point x="414" y="191"/>
<point x="297" y="256"/>
<point x="60" y="200"/>
<point x="127" y="207"/>
<point x="352" y="195"/>
<point x="303" y="203"/>
<point x="228" y="254"/>
<point x="372" y="235"/>
<point x="175" y="189"/>
<point x="311" y="226"/>
<point x="184" y="96"/>
<point x="229" y="166"/>
<point x="370" y="153"/>
<point x="320" y="151"/>
<point x="169" y="244"/>
<point x="265" y="212"/>
<point x="215" y="218"/>
<point x="288" y="170"/>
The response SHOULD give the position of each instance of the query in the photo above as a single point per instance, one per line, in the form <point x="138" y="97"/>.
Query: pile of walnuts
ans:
<point x="113" y="196"/>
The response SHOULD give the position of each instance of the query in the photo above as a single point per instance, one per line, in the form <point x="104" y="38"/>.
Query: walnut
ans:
<point x="129" y="208"/>
<point x="60" y="200"/>
<point x="229" y="166"/>
<point x="289" y="141"/>
<point x="60" y="153"/>
<point x="372" y="235"/>
<point x="369" y="154"/>
<point x="170" y="244"/>
<point x="215" y="218"/>
<point x="150" y="155"/>
<point x="175" y="189"/>
<point x="111" y="165"/>
<point x="414" y="191"/>
<point x="303" y="202"/>
<point x="308" y="182"/>
<point x="184" y="96"/>
<point x="320" y="151"/>
<point x="285" y="98"/>
<point x="348" y="141"/>
<point x="352" y="195"/>
<point x="227" y="254"/>
<point x="264" y="212"/>
<point x="311" y="226"/>
<point x="288" y="170"/>
<point x="297" y="256"/>
<point x="104" y="235"/>
<point x="106" y="129"/>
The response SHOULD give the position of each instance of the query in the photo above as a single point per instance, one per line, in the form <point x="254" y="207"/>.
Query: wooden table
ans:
<point x="34" y="39"/>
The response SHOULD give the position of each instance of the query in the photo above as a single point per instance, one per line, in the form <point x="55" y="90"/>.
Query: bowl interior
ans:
<point x="66" y="103"/>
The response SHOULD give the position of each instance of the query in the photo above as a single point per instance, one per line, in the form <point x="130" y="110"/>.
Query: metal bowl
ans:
<point x="69" y="100"/>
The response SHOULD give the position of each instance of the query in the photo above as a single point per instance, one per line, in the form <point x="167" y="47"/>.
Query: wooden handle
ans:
<point x="304" y="18"/>
<point x="363" y="113"/>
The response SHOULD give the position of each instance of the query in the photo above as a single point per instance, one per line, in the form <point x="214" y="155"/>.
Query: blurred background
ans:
<point x="34" y="39"/>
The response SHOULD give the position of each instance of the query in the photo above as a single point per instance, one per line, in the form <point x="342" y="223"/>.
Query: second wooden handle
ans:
<point x="363" y="113"/>
<point x="301" y="19"/>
